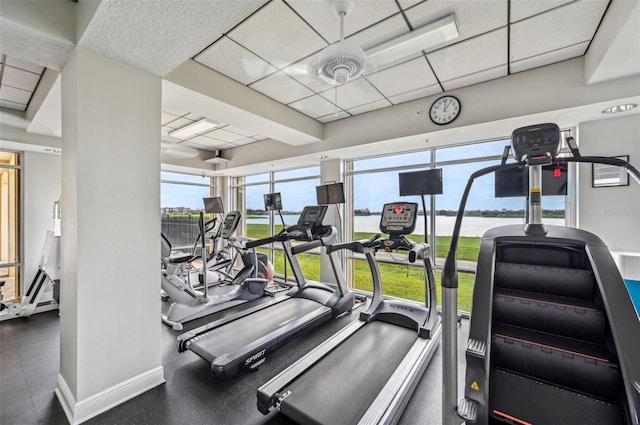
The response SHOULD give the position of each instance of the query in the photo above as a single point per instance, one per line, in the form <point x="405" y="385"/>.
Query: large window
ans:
<point x="297" y="190"/>
<point x="374" y="181"/>
<point x="10" y="168"/>
<point x="180" y="206"/>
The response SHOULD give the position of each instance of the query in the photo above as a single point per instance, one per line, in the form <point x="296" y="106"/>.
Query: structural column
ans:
<point x="109" y="302"/>
<point x="331" y="172"/>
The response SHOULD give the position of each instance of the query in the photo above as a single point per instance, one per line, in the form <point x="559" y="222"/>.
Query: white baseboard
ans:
<point x="79" y="412"/>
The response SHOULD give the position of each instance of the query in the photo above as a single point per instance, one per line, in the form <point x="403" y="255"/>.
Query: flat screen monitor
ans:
<point x="332" y="193"/>
<point x="425" y="182"/>
<point x="272" y="201"/>
<point x="514" y="182"/>
<point x="213" y="205"/>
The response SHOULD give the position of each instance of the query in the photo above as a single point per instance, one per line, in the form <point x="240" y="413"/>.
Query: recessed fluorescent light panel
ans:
<point x="619" y="108"/>
<point x="193" y="129"/>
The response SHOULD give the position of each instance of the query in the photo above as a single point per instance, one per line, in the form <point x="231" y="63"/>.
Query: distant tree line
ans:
<point x="359" y="212"/>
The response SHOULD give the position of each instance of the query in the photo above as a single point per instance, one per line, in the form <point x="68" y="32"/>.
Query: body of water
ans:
<point x="471" y="226"/>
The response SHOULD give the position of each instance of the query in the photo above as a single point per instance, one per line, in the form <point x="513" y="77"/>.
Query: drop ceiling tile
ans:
<point x="18" y="78"/>
<point x="416" y="94"/>
<point x="202" y="142"/>
<point x="234" y="61"/>
<point x="15" y="95"/>
<point x="475" y="78"/>
<point x="471" y="56"/>
<point x="405" y="4"/>
<point x="522" y="9"/>
<point x="405" y="77"/>
<point x="164" y="131"/>
<point x="549" y="57"/>
<point x="174" y="111"/>
<point x="278" y="35"/>
<point x="354" y="93"/>
<point x="240" y="131"/>
<point x="565" y="26"/>
<point x="303" y="72"/>
<point x="381" y="32"/>
<point x="223" y="135"/>
<point x="179" y="123"/>
<point x="166" y="117"/>
<point x="281" y="87"/>
<point x="245" y="141"/>
<point x="315" y="106"/>
<point x="323" y="17"/>
<point x="472" y="17"/>
<point x="378" y="104"/>
<point x="18" y="63"/>
<point x="12" y="105"/>
<point x="334" y="117"/>
<point x="194" y="117"/>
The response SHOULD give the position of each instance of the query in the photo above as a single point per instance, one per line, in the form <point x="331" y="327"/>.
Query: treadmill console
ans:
<point x="399" y="218"/>
<point x="542" y="140"/>
<point x="230" y="224"/>
<point x="312" y="216"/>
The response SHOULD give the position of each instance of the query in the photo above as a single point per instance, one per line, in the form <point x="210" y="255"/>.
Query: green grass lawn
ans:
<point x="398" y="280"/>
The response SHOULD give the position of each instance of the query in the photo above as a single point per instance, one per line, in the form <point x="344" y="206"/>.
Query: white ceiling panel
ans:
<point x="354" y="93"/>
<point x="245" y="141"/>
<point x="333" y="117"/>
<point x="281" y="87"/>
<point x="549" y="58"/>
<point x="224" y="135"/>
<point x="13" y="94"/>
<point x="179" y="123"/>
<point x="471" y="56"/>
<point x="164" y="131"/>
<point x="378" y="104"/>
<point x="472" y="17"/>
<point x="405" y="4"/>
<point x="174" y="111"/>
<point x="195" y="117"/>
<point x="324" y="18"/>
<point x="478" y="77"/>
<point x="405" y="77"/>
<point x="416" y="94"/>
<point x="166" y="117"/>
<point x="278" y="35"/>
<point x="556" y="29"/>
<point x="242" y="132"/>
<point x="12" y="105"/>
<point x="315" y="106"/>
<point x="18" y="78"/>
<point x="17" y="63"/>
<point x="303" y="72"/>
<point x="202" y="142"/>
<point x="521" y="9"/>
<point x="234" y="61"/>
<point x="381" y="32"/>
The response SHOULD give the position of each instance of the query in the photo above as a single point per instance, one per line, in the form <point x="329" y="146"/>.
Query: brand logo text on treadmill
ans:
<point x="401" y="307"/>
<point x="255" y="357"/>
<point x="286" y="322"/>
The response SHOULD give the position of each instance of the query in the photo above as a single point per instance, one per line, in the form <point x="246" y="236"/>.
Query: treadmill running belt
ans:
<point x="340" y="388"/>
<point x="228" y="338"/>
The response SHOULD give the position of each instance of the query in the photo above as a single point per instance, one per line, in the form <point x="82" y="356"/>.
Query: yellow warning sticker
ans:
<point x="475" y="386"/>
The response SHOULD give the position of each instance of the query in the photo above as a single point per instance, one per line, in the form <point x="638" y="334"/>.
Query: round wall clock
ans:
<point x="444" y="110"/>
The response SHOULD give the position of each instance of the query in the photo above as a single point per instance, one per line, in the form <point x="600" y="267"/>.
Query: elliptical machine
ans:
<point x="553" y="336"/>
<point x="191" y="303"/>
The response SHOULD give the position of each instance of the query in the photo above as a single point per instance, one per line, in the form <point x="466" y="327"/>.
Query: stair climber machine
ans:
<point x="242" y="341"/>
<point x="190" y="303"/>
<point x="554" y="337"/>
<point x="366" y="373"/>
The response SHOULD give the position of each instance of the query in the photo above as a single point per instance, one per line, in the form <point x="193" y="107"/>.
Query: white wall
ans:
<point x="612" y="213"/>
<point x="41" y="188"/>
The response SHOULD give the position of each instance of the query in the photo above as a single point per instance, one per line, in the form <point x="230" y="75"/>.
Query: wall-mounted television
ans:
<point x="514" y="182"/>
<point x="272" y="201"/>
<point x="425" y="182"/>
<point x="213" y="205"/>
<point x="332" y="193"/>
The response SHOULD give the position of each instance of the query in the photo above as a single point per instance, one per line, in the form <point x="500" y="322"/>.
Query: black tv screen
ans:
<point x="272" y="201"/>
<point x="515" y="182"/>
<point x="426" y="182"/>
<point x="213" y="205"/>
<point x="332" y="193"/>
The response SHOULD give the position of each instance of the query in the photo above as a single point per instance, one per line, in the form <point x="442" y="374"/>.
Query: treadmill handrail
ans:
<point x="279" y="237"/>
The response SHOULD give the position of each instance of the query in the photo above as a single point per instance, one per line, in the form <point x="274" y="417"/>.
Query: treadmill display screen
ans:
<point x="399" y="218"/>
<point x="230" y="224"/>
<point x="312" y="216"/>
<point x="536" y="140"/>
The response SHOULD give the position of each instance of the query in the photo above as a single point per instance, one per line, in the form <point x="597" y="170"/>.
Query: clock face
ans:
<point x="444" y="110"/>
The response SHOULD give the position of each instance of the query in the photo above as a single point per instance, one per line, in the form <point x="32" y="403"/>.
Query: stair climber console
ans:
<point x="554" y="338"/>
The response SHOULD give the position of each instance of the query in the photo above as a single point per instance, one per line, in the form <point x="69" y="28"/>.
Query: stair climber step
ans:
<point x="580" y="366"/>
<point x="578" y="319"/>
<point x="516" y="399"/>
<point x="559" y="281"/>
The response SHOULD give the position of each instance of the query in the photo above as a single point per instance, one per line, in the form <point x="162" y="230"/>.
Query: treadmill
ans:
<point x="366" y="373"/>
<point x="243" y="340"/>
